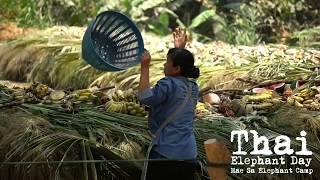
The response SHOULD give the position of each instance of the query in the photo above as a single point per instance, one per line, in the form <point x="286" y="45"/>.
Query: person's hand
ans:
<point x="145" y="59"/>
<point x="180" y="38"/>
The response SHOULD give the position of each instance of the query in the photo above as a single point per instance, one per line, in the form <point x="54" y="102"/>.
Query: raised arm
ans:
<point x="144" y="76"/>
<point x="146" y="94"/>
<point x="180" y="38"/>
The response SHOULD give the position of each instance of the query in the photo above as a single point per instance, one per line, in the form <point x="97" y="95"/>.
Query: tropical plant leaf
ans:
<point x="201" y="18"/>
<point x="173" y="14"/>
<point x="164" y="19"/>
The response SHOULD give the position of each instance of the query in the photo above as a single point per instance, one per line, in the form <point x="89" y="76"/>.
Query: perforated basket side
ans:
<point x="112" y="42"/>
<point x="90" y="55"/>
<point x="124" y="42"/>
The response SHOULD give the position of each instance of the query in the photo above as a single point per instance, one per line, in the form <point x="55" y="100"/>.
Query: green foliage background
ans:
<point x="235" y="21"/>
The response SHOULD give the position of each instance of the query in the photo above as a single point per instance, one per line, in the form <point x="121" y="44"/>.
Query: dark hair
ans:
<point x="184" y="59"/>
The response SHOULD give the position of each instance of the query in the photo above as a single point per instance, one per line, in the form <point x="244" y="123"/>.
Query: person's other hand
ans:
<point x="145" y="59"/>
<point x="180" y="38"/>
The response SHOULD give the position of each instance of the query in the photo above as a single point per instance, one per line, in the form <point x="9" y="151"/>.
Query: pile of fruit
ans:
<point x="265" y="100"/>
<point x="119" y="101"/>
<point x="126" y="102"/>
<point x="308" y="98"/>
<point x="41" y="94"/>
<point x="262" y="102"/>
<point x="202" y="109"/>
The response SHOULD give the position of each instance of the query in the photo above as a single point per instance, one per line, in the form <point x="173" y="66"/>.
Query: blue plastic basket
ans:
<point x="112" y="42"/>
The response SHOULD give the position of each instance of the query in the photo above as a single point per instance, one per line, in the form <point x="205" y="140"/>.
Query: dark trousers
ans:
<point x="169" y="170"/>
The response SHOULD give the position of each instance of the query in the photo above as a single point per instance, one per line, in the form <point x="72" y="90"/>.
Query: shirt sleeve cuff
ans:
<point x="145" y="94"/>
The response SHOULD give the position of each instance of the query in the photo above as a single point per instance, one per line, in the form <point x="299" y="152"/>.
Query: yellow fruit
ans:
<point x="141" y="109"/>
<point x="201" y="108"/>
<point x="308" y="101"/>
<point x="83" y="98"/>
<point x="133" y="112"/>
<point x="57" y="95"/>
<point x="85" y="94"/>
<point x="307" y="105"/>
<point x="130" y="108"/>
<point x="136" y="106"/>
<point x="307" y="98"/>
<point x="304" y="90"/>
<point x="259" y="97"/>
<point x="291" y="100"/>
<point x="80" y="91"/>
<point x="297" y="98"/>
<point x="119" y="93"/>
<point x="297" y="104"/>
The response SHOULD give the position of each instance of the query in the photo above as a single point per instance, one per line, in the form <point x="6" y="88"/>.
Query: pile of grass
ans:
<point x="38" y="132"/>
<point x="53" y="57"/>
<point x="45" y="133"/>
<point x="34" y="137"/>
<point x="18" y="58"/>
<point x="303" y="120"/>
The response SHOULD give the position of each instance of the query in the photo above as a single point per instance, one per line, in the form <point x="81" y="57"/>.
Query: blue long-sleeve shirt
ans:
<point x="177" y="139"/>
